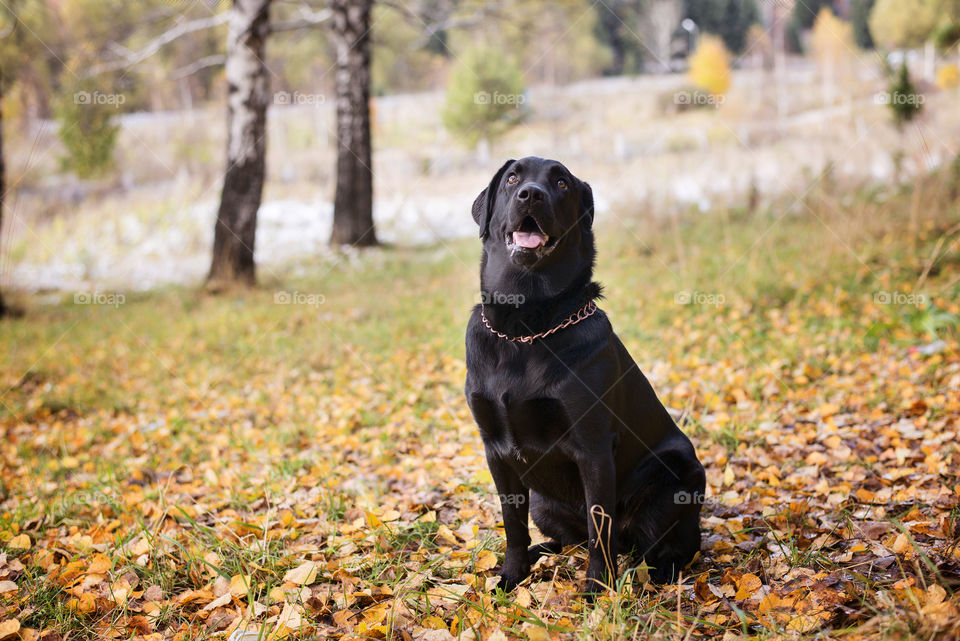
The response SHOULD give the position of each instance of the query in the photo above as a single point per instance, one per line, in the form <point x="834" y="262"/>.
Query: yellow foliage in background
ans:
<point x="832" y="38"/>
<point x="904" y="23"/>
<point x="948" y="77"/>
<point x="710" y="65"/>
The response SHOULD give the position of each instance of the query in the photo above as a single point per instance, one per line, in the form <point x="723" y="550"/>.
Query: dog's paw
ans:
<point x="598" y="582"/>
<point x="664" y="572"/>
<point x="511" y="577"/>
<point x="540" y="549"/>
<point x="592" y="589"/>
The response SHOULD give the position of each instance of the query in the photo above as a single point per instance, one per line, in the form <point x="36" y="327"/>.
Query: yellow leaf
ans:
<point x="523" y="598"/>
<point x="749" y="583"/>
<point x="221" y="601"/>
<point x="446" y="535"/>
<point x="290" y="617"/>
<point x="901" y="544"/>
<point x="9" y="628"/>
<point x="434" y="623"/>
<point x="482" y="477"/>
<point x="372" y="520"/>
<point x="536" y="633"/>
<point x="87" y="603"/>
<point x="100" y="564"/>
<point x="828" y="409"/>
<point x="935" y="594"/>
<point x="142" y="547"/>
<point x="728" y="476"/>
<point x="239" y="584"/>
<point x="303" y="574"/>
<point x="19" y="542"/>
<point x="119" y="595"/>
<point x="486" y="560"/>
<point x="29" y="634"/>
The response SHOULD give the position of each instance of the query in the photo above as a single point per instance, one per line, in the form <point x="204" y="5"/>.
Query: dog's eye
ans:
<point x="562" y="184"/>
<point x="511" y="179"/>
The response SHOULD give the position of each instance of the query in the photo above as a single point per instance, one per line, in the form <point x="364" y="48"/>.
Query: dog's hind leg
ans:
<point x="660" y="515"/>
<point x="562" y="524"/>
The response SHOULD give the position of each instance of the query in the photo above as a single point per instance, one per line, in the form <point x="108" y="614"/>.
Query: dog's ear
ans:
<point x="483" y="205"/>
<point x="586" y="204"/>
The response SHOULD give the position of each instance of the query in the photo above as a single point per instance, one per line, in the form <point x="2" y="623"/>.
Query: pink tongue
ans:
<point x="529" y="239"/>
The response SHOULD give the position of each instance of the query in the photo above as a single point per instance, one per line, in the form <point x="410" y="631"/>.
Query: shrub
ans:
<point x="87" y="130"/>
<point x="710" y="66"/>
<point x="485" y="96"/>
<point x="904" y="100"/>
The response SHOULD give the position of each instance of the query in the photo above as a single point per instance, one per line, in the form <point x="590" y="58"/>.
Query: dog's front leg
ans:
<point x="598" y="472"/>
<point x="514" y="502"/>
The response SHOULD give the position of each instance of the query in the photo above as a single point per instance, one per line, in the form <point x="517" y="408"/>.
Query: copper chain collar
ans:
<point x="581" y="314"/>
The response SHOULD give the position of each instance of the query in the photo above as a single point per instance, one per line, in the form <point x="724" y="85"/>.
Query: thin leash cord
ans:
<point x="606" y="522"/>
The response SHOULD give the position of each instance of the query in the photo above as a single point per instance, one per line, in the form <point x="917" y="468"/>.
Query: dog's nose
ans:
<point x="531" y="194"/>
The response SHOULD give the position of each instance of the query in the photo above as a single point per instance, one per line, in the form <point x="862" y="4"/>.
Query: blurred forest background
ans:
<point x="116" y="138"/>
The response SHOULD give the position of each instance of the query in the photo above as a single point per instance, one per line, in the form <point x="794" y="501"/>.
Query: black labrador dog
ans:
<point x="573" y="432"/>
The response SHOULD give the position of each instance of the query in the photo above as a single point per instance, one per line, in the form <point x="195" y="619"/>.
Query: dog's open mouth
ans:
<point x="529" y="237"/>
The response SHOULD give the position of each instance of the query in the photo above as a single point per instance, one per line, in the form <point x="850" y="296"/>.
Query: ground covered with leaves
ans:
<point x="299" y="462"/>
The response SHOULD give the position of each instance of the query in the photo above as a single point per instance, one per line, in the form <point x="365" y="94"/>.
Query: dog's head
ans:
<point x="534" y="211"/>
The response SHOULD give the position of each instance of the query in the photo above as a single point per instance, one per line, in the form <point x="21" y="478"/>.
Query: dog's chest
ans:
<point x="515" y="397"/>
<point x="522" y="429"/>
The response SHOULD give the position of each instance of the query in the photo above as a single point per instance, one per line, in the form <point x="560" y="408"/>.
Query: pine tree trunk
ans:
<point x="610" y="25"/>
<point x="247" y="86"/>
<point x="353" y="202"/>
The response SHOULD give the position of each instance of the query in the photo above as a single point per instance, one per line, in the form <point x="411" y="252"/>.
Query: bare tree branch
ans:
<point x="199" y="65"/>
<point x="431" y="25"/>
<point x="308" y="18"/>
<point x="130" y="58"/>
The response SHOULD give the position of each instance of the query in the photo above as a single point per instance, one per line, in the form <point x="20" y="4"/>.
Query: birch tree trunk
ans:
<point x="247" y="86"/>
<point x="3" y="189"/>
<point x="353" y="201"/>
